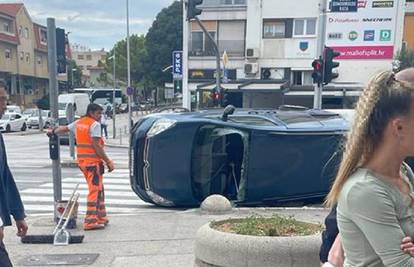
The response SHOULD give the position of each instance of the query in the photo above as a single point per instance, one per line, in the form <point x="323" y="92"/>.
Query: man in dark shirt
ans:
<point x="10" y="201"/>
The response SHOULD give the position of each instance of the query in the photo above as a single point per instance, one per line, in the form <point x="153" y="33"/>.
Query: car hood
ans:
<point x="4" y="121"/>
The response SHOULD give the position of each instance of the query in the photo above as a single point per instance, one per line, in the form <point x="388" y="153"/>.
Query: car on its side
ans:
<point x="33" y="121"/>
<point x="12" y="122"/>
<point x="253" y="157"/>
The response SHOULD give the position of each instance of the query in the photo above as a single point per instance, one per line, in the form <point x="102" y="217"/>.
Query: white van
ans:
<point x="80" y="102"/>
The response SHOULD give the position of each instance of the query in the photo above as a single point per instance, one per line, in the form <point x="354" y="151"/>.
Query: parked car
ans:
<point x="13" y="109"/>
<point x="33" y="121"/>
<point x="12" y="122"/>
<point x="64" y="138"/>
<point x="27" y="113"/>
<point x="253" y="157"/>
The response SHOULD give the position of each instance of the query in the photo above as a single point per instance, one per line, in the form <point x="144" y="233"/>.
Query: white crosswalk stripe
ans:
<point x="119" y="197"/>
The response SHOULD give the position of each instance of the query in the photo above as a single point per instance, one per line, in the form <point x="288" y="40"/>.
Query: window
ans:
<point x="43" y="37"/>
<point x="197" y="41"/>
<point x="21" y="55"/>
<point x="80" y="57"/>
<point x="274" y="29"/>
<point x="20" y="31"/>
<point x="233" y="2"/>
<point x="27" y="57"/>
<point x="26" y="33"/>
<point x="7" y="54"/>
<point x="88" y="57"/>
<point x="304" y="27"/>
<point x="208" y="44"/>
<point x="39" y="60"/>
<point x="6" y="27"/>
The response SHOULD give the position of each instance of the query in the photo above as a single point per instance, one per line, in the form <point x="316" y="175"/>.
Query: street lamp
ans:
<point x="113" y="97"/>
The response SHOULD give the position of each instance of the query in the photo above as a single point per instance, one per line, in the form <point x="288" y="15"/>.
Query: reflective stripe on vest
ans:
<point x="85" y="150"/>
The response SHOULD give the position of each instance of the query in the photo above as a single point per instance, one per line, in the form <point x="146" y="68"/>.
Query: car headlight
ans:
<point x="159" y="199"/>
<point x="160" y="126"/>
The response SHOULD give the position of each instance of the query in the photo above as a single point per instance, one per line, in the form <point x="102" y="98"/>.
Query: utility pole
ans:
<point x="53" y="92"/>
<point x="185" y="89"/>
<point x="113" y="100"/>
<point x="317" y="100"/>
<point x="129" y="85"/>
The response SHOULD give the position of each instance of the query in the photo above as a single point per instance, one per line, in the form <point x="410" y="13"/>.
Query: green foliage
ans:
<point x="405" y="57"/>
<point x="137" y="50"/>
<point x="164" y="36"/>
<point x="274" y="226"/>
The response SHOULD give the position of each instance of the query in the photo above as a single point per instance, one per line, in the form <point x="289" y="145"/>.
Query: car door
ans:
<point x="17" y="122"/>
<point x="13" y="122"/>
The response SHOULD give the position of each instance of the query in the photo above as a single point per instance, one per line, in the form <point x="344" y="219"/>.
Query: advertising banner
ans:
<point x="368" y="33"/>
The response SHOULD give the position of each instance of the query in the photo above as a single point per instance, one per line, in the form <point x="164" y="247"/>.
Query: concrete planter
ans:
<point x="219" y="249"/>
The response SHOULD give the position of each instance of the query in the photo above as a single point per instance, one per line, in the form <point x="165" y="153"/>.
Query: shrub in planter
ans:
<point x="258" y="241"/>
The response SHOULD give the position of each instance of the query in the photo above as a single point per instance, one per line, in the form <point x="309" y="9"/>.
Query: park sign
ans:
<point x="177" y="64"/>
<point x="368" y="34"/>
<point x="344" y="6"/>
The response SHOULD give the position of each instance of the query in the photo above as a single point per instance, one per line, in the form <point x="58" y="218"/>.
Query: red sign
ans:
<point x="365" y="52"/>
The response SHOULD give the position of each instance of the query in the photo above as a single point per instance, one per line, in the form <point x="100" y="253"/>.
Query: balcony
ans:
<point x="223" y="3"/>
<point x="234" y="48"/>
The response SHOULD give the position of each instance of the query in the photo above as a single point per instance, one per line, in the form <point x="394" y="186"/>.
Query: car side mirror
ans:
<point x="229" y="110"/>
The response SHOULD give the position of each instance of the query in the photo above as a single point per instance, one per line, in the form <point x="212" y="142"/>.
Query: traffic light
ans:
<point x="192" y="10"/>
<point x="61" y="50"/>
<point x="329" y="56"/>
<point x="317" y="65"/>
<point x="215" y="96"/>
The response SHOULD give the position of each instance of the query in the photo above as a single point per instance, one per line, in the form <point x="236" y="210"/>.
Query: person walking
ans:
<point x="10" y="201"/>
<point x="104" y="125"/>
<point x="91" y="156"/>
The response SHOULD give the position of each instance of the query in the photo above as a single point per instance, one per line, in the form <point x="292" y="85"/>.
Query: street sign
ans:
<point x="130" y="91"/>
<point x="344" y="6"/>
<point x="177" y="64"/>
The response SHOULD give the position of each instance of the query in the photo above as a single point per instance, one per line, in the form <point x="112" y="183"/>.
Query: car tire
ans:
<point x="8" y="128"/>
<point x="30" y="127"/>
<point x="24" y="127"/>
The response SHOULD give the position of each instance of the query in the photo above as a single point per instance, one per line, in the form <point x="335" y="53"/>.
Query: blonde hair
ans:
<point x="383" y="99"/>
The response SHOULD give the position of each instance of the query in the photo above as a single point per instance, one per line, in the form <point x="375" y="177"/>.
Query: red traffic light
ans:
<point x="317" y="64"/>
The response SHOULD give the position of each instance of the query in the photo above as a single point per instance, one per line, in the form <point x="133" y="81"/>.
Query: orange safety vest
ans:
<point x="85" y="150"/>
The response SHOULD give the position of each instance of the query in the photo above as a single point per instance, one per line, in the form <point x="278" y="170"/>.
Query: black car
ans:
<point x="253" y="157"/>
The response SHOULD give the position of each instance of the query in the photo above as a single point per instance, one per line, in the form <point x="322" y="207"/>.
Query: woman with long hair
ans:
<point x="374" y="187"/>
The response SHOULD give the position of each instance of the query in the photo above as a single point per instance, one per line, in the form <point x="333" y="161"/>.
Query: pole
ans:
<point x="317" y="100"/>
<point x="113" y="102"/>
<point x="217" y="52"/>
<point x="186" y="90"/>
<point x="53" y="92"/>
<point x="129" y="83"/>
<point x="70" y="116"/>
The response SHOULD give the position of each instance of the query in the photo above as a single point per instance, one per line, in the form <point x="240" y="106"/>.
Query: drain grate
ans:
<point x="59" y="259"/>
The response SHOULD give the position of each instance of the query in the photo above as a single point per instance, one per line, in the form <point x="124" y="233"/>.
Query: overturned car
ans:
<point x="253" y="157"/>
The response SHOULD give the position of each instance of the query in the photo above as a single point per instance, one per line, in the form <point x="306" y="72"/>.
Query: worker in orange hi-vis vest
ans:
<point x="91" y="159"/>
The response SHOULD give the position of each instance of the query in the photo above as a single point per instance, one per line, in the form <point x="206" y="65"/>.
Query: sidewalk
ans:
<point x="164" y="237"/>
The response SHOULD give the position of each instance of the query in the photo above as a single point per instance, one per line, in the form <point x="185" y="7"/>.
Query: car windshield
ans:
<point x="63" y="121"/>
<point x="28" y="111"/>
<point x="62" y="106"/>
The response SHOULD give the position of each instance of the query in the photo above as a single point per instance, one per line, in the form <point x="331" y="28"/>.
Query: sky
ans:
<point x="95" y="24"/>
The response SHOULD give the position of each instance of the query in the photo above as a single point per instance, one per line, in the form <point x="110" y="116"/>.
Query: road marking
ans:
<point x="108" y="201"/>
<point x="82" y="192"/>
<point x="85" y="186"/>
<point x="105" y="181"/>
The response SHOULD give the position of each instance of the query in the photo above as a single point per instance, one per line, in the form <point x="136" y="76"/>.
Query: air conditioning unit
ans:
<point x="252" y="53"/>
<point x="251" y="68"/>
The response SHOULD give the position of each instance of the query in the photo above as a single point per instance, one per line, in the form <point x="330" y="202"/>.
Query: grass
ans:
<point x="273" y="226"/>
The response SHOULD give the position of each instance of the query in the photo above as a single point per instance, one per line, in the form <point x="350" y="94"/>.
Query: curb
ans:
<point x="116" y="146"/>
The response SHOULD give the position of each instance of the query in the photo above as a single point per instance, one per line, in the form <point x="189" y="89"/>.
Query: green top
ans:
<point x="373" y="217"/>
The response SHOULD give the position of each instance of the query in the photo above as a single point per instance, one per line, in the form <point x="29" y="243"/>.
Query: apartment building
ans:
<point x="271" y="45"/>
<point x="88" y="61"/>
<point x="23" y="54"/>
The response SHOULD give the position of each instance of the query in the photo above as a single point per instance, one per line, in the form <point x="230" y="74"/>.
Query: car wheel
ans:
<point x="8" y="128"/>
<point x="30" y="127"/>
<point x="24" y="127"/>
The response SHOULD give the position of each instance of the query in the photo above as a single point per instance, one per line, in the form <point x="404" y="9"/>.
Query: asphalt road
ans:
<point x="28" y="158"/>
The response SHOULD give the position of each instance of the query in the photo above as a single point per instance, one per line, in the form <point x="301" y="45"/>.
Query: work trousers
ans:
<point x="95" y="211"/>
<point x="4" y="256"/>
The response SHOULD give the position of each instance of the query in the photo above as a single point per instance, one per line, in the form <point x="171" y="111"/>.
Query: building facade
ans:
<point x="271" y="45"/>
<point x="23" y="54"/>
<point x="409" y="25"/>
<point x="89" y="63"/>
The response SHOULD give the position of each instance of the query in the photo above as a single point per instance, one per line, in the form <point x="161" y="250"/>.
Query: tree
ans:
<point x="137" y="55"/>
<point x="405" y="58"/>
<point x="164" y="36"/>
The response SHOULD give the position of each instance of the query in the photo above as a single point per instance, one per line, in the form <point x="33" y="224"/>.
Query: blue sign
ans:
<point x="130" y="91"/>
<point x="177" y="64"/>
<point x="344" y="6"/>
<point x="369" y="35"/>
<point x="303" y="46"/>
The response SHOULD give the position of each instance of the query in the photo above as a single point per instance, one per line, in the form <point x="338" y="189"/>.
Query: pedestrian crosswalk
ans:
<point x="119" y="197"/>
